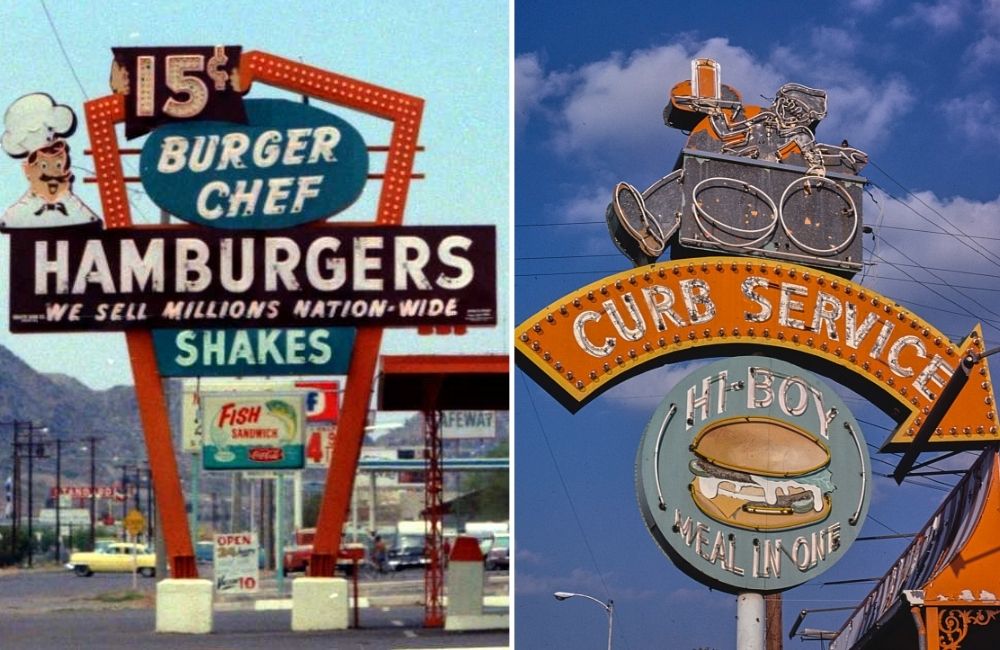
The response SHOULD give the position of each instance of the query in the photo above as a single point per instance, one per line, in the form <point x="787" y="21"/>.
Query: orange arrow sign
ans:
<point x="633" y="321"/>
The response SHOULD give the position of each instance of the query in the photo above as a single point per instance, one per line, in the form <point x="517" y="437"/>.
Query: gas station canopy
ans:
<point x="475" y="382"/>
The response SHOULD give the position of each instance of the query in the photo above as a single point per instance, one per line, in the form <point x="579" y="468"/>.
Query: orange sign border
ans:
<point x="405" y="112"/>
<point x="547" y="343"/>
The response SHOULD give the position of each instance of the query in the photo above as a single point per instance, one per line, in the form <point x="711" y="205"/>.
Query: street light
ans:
<point x="609" y="608"/>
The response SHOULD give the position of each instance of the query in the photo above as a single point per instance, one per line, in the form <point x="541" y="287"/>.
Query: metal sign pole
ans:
<point x="750" y="621"/>
<point x="279" y="536"/>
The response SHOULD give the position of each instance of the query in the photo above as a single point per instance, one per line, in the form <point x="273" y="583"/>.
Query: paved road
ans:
<point x="54" y="609"/>
<point x="240" y="630"/>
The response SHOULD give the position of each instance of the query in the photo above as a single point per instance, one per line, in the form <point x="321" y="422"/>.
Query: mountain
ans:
<point x="73" y="412"/>
<point x="70" y="411"/>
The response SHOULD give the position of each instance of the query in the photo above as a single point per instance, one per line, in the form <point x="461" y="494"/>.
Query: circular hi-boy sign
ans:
<point x="753" y="475"/>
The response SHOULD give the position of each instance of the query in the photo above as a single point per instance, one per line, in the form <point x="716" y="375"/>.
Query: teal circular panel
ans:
<point x="753" y="475"/>
<point x="291" y="164"/>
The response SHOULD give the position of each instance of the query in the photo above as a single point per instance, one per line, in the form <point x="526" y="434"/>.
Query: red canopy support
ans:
<point x="433" y="498"/>
<point x="431" y="384"/>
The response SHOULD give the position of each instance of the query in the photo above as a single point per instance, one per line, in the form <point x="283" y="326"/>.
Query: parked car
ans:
<point x="204" y="552"/>
<point x="113" y="558"/>
<point x="405" y="557"/>
<point x="498" y="556"/>
<point x="297" y="556"/>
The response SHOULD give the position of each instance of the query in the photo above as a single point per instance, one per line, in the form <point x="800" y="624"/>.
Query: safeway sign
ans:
<point x="468" y="424"/>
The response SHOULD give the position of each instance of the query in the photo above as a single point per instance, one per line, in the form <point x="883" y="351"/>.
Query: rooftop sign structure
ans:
<point x="942" y="591"/>
<point x="795" y="299"/>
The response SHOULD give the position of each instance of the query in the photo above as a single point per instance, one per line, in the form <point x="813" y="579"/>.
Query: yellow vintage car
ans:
<point x="113" y="558"/>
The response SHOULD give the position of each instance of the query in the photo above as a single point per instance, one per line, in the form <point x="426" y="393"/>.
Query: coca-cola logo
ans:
<point x="266" y="454"/>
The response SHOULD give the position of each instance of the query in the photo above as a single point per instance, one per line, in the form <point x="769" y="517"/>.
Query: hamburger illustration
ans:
<point x="760" y="473"/>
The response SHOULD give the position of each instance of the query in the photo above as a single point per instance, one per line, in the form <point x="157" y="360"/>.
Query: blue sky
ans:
<point x="911" y="83"/>
<point x="454" y="55"/>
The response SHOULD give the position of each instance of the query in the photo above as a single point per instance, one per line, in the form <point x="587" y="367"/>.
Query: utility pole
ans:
<point x="124" y="497"/>
<point x="58" y="500"/>
<point x="772" y="622"/>
<point x="149" y="505"/>
<point x="138" y="501"/>
<point x="236" y="503"/>
<point x="93" y="490"/>
<point x="16" y="511"/>
<point x="31" y="491"/>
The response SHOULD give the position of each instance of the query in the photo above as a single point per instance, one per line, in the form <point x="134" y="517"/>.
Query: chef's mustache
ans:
<point x="59" y="179"/>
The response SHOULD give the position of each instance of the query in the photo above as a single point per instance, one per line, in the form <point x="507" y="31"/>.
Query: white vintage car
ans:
<point x="114" y="558"/>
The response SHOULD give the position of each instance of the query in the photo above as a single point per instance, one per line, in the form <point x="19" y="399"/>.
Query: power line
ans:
<point x="935" y="291"/>
<point x="569" y="498"/>
<point x="79" y="83"/>
<point x="932" y="209"/>
<point x="936" y="232"/>
<point x="62" y="48"/>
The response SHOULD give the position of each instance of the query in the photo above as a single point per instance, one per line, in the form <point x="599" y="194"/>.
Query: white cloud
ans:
<point x="941" y="16"/>
<point x="529" y="85"/>
<point x="832" y="39"/>
<point x="525" y="557"/>
<point x="967" y="297"/>
<point x="991" y="13"/>
<point x="984" y="51"/>
<point x="970" y="115"/>
<point x="607" y="113"/>
<point x="864" y="113"/>
<point x="616" y="103"/>
<point x="532" y="87"/>
<point x="866" y="6"/>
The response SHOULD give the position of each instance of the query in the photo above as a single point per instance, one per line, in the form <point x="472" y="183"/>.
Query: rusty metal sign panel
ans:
<point x="753" y="475"/>
<point x="751" y="180"/>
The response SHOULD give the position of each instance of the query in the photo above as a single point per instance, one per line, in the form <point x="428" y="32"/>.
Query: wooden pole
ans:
<point x="772" y="618"/>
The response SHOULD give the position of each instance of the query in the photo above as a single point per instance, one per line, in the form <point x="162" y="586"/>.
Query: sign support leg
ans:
<point x="346" y="451"/>
<point x="279" y="534"/>
<point x="159" y="446"/>
<point x="750" y="621"/>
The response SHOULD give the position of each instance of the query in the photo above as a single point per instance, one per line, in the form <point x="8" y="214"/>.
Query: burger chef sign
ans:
<point x="753" y="475"/>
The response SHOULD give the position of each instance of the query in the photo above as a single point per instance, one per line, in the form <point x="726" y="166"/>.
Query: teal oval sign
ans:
<point x="291" y="164"/>
<point x="753" y="475"/>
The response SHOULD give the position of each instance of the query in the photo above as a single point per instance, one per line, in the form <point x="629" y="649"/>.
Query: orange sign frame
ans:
<point x="627" y="323"/>
<point x="405" y="113"/>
